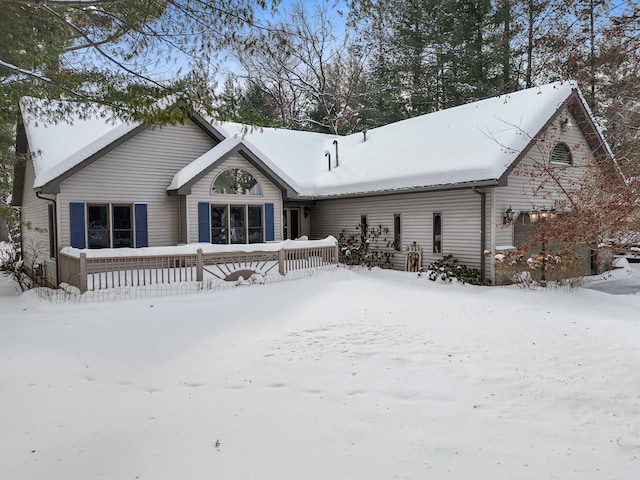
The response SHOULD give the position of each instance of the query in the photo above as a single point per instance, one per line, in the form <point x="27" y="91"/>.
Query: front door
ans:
<point x="290" y="223"/>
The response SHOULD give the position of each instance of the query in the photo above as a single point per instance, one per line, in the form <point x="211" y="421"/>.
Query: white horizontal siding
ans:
<point x="529" y="186"/>
<point x="460" y="211"/>
<point x="201" y="192"/>
<point x="35" y="228"/>
<point x="139" y="171"/>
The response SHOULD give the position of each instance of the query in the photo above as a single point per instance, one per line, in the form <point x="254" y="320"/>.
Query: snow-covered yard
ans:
<point x="345" y="375"/>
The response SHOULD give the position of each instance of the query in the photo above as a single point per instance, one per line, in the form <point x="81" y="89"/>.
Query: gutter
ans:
<point x="483" y="233"/>
<point x="55" y="233"/>
<point x="401" y="191"/>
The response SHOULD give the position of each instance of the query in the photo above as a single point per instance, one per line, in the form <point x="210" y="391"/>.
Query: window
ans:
<point x="235" y="181"/>
<point x="109" y="226"/>
<point x="52" y="233"/>
<point x="122" y="226"/>
<point x="219" y="224"/>
<point x="364" y="227"/>
<point x="397" y="240"/>
<point x="255" y="224"/>
<point x="437" y="233"/>
<point x="236" y="224"/>
<point x="561" y="154"/>
<point x="98" y="226"/>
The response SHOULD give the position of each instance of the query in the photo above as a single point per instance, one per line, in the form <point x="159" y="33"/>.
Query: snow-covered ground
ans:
<point x="345" y="375"/>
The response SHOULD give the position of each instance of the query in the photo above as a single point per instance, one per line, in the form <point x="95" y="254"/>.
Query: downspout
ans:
<point x="483" y="218"/>
<point x="55" y="233"/>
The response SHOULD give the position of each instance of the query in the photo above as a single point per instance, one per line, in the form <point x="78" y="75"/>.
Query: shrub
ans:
<point x="368" y="247"/>
<point x="448" y="269"/>
<point x="12" y="265"/>
<point x="539" y="269"/>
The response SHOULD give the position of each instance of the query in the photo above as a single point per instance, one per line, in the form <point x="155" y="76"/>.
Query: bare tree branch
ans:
<point x="100" y="50"/>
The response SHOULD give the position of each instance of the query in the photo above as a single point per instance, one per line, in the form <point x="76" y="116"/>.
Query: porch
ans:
<point x="101" y="269"/>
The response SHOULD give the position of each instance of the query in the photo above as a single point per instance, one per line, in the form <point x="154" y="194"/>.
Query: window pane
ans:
<point x="236" y="181"/>
<point x="98" y="226"/>
<point x="364" y="228"/>
<point x="238" y="224"/>
<point x="397" y="241"/>
<point x="122" y="217"/>
<point x="219" y="224"/>
<point x="437" y="233"/>
<point x="52" y="236"/>
<point x="255" y="217"/>
<point x="122" y="232"/>
<point x="122" y="239"/>
<point x="255" y="224"/>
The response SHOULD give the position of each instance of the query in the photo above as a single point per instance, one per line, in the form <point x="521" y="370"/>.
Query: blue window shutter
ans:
<point x="142" y="230"/>
<point x="204" y="222"/>
<point x="269" y="227"/>
<point x="77" y="225"/>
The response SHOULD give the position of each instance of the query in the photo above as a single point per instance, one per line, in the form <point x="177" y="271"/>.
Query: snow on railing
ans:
<point x="99" y="269"/>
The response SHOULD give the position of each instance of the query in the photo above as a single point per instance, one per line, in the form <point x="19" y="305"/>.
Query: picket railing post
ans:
<point x="199" y="266"/>
<point x="83" y="272"/>
<point x="281" y="262"/>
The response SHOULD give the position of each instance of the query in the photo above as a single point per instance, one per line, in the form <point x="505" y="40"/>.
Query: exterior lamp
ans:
<point x="552" y="213"/>
<point x="534" y="215"/>
<point x="565" y="124"/>
<point x="509" y="216"/>
<point x="544" y="213"/>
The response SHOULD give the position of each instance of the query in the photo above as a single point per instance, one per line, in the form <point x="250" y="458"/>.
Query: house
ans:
<point x="448" y="181"/>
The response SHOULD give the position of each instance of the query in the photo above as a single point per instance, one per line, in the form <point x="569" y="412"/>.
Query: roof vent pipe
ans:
<point x="335" y="142"/>
<point x="364" y="133"/>
<point x="328" y="155"/>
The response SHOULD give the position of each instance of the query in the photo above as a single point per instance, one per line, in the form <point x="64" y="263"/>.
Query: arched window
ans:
<point x="561" y="154"/>
<point x="235" y="181"/>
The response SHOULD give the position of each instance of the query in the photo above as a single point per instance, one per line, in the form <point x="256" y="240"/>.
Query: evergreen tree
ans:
<point x="125" y="55"/>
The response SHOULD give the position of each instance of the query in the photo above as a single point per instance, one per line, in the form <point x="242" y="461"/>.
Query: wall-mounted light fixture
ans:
<point x="307" y="211"/>
<point x="509" y="216"/>
<point x="565" y="124"/>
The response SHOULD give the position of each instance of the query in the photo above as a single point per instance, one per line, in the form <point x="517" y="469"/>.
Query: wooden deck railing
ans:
<point x="90" y="273"/>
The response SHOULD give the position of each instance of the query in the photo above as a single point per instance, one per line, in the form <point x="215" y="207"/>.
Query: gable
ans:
<point x="188" y="176"/>
<point x="60" y="150"/>
<point x="145" y="162"/>
<point x="580" y="133"/>
<point x="202" y="187"/>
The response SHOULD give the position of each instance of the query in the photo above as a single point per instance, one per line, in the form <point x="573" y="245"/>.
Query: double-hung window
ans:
<point x="109" y="226"/>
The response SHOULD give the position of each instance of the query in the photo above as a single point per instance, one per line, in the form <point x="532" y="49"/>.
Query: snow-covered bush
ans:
<point x="545" y="268"/>
<point x="12" y="265"/>
<point x="368" y="247"/>
<point x="447" y="269"/>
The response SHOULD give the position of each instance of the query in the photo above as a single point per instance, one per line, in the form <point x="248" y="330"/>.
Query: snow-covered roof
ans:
<point x="58" y="147"/>
<point x="475" y="142"/>
<point x="231" y="144"/>
<point x="469" y="143"/>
